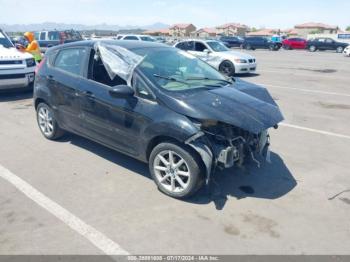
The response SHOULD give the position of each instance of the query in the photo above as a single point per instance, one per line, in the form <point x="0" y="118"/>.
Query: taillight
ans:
<point x="38" y="67"/>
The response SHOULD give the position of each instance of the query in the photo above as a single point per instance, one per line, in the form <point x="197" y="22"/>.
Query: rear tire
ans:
<point x="47" y="122"/>
<point x="227" y="68"/>
<point x="287" y="47"/>
<point x="312" y="48"/>
<point x="176" y="170"/>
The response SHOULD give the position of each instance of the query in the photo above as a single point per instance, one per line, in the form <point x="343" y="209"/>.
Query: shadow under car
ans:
<point x="271" y="181"/>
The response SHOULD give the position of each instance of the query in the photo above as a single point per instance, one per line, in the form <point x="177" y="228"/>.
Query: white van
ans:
<point x="16" y="67"/>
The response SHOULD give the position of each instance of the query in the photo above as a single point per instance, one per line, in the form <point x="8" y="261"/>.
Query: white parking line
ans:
<point x="305" y="90"/>
<point x="98" y="239"/>
<point x="315" y="130"/>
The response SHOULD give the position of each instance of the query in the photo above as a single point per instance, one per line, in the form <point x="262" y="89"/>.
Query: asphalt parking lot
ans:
<point x="77" y="197"/>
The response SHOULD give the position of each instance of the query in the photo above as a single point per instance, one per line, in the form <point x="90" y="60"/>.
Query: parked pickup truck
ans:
<point x="47" y="39"/>
<point x="324" y="43"/>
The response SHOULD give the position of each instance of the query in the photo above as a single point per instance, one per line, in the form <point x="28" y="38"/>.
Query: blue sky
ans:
<point x="266" y="13"/>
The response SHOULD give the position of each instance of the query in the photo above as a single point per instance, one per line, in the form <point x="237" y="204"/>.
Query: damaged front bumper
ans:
<point x="222" y="151"/>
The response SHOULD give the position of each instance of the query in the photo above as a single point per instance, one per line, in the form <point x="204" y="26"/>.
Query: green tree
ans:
<point x="348" y="28"/>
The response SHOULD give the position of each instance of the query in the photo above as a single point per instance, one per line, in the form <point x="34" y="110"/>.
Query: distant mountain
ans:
<point x="80" y="27"/>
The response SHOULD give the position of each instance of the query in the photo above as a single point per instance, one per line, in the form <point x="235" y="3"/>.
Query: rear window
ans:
<point x="54" y="36"/>
<point x="71" y="60"/>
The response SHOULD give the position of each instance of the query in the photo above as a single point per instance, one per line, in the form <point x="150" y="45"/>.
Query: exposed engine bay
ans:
<point x="232" y="146"/>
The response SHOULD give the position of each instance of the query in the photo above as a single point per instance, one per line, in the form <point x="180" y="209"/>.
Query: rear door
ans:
<point x="321" y="43"/>
<point x="299" y="43"/>
<point x="198" y="51"/>
<point x="186" y="45"/>
<point x="64" y="78"/>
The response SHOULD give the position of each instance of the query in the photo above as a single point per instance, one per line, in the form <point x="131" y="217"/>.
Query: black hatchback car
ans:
<point x="157" y="104"/>
<point x="324" y="43"/>
<point x="257" y="42"/>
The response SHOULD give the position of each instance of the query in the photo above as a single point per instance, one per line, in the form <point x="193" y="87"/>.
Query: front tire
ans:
<point x="227" y="68"/>
<point x="340" y="49"/>
<point x="176" y="170"/>
<point x="47" y="122"/>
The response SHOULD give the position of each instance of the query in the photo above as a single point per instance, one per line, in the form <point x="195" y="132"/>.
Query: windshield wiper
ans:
<point x="210" y="79"/>
<point x="170" y="79"/>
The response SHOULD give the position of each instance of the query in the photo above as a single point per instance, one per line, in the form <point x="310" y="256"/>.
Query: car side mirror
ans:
<point x="121" y="91"/>
<point x="207" y="51"/>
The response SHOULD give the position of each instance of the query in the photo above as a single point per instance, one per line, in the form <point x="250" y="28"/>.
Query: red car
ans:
<point x="294" y="43"/>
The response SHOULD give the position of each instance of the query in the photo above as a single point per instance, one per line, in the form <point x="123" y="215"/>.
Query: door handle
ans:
<point x="88" y="94"/>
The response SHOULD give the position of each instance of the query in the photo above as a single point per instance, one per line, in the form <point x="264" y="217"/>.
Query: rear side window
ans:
<point x="131" y="37"/>
<point x="185" y="46"/>
<point x="71" y="60"/>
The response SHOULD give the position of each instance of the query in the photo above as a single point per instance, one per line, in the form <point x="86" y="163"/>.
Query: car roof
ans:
<point x="131" y="44"/>
<point x="200" y="40"/>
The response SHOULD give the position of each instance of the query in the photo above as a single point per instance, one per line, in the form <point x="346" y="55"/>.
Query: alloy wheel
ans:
<point x="172" y="171"/>
<point x="45" y="120"/>
<point x="226" y="68"/>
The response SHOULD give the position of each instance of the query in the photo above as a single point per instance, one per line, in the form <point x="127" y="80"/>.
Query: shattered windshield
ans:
<point x="176" y="70"/>
<point x="4" y="41"/>
<point x="217" y="46"/>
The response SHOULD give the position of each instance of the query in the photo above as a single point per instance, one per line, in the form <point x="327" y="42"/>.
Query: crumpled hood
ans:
<point x="243" y="105"/>
<point x="12" y="54"/>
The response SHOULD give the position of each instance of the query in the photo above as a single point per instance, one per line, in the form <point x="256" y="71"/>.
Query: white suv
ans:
<point x="347" y="51"/>
<point x="16" y="67"/>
